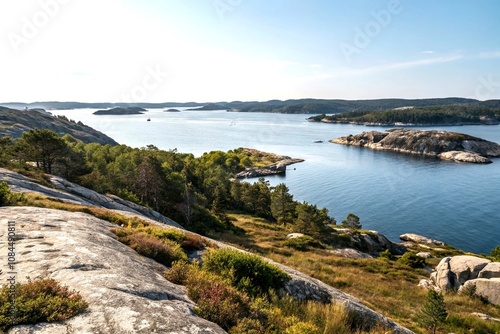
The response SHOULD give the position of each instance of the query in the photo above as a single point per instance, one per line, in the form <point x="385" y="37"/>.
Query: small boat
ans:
<point x="317" y="141"/>
<point x="149" y="119"/>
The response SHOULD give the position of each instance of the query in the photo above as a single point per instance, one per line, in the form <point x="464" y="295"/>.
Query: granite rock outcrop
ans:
<point x="432" y="143"/>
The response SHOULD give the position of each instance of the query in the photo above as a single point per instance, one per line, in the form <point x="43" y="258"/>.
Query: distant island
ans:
<point x="481" y="114"/>
<point x="172" y="110"/>
<point x="432" y="143"/>
<point x="121" y="111"/>
<point x="296" y="106"/>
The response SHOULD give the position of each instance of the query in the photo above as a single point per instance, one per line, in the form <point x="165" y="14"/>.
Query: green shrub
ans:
<point x="302" y="243"/>
<point x="39" y="301"/>
<point x="248" y="272"/>
<point x="4" y="193"/>
<point x="411" y="259"/>
<point x="163" y="251"/>
<point x="495" y="253"/>
<point x="179" y="272"/>
<point x="217" y="300"/>
<point x="387" y="255"/>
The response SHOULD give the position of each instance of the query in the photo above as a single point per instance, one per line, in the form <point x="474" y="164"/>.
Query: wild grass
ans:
<point x="387" y="286"/>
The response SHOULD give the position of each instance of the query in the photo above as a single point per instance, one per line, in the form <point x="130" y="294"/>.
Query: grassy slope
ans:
<point x="388" y="287"/>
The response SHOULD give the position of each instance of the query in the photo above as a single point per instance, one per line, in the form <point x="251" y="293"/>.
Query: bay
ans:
<point x="392" y="193"/>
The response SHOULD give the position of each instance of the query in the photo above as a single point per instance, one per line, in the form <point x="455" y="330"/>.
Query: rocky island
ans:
<point x="121" y="111"/>
<point x="432" y="143"/>
<point x="278" y="165"/>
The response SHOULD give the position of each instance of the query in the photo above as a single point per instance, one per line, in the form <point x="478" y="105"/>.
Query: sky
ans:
<point x="247" y="50"/>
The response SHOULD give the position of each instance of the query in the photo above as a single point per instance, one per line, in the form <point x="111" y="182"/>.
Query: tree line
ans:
<point x="451" y="114"/>
<point x="195" y="191"/>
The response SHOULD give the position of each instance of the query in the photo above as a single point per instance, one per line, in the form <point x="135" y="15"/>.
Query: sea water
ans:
<point x="457" y="203"/>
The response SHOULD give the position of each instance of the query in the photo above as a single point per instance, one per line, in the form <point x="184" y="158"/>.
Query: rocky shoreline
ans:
<point x="277" y="168"/>
<point x="432" y="143"/>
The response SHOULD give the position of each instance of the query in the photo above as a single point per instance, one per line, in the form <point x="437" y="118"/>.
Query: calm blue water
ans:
<point x="391" y="193"/>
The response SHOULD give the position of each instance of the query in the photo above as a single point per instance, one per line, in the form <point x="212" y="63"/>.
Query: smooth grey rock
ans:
<point x="125" y="291"/>
<point x="69" y="192"/>
<point x="294" y="235"/>
<point x="420" y="239"/>
<point x="489" y="288"/>
<point x="351" y="253"/>
<point x="444" y="278"/>
<point x="425" y="255"/>
<point x="426" y="284"/>
<point x="463" y="156"/>
<point x="431" y="143"/>
<point x="491" y="270"/>
<point x="467" y="267"/>
<point x="484" y="317"/>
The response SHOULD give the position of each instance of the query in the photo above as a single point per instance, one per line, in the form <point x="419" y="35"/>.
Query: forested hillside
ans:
<point x="196" y="192"/>
<point x="432" y="115"/>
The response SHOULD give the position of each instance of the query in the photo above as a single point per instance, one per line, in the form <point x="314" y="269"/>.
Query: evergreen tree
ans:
<point x="311" y="220"/>
<point x="352" y="222"/>
<point x="282" y="204"/>
<point x="44" y="147"/>
<point x="433" y="312"/>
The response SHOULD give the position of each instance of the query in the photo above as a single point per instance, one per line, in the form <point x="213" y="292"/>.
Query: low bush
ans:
<point x="495" y="254"/>
<point x="411" y="259"/>
<point x="216" y="299"/>
<point x="38" y="301"/>
<point x="247" y="272"/>
<point x="303" y="243"/>
<point x="4" y="193"/>
<point x="180" y="272"/>
<point x="163" y="251"/>
<point x="387" y="255"/>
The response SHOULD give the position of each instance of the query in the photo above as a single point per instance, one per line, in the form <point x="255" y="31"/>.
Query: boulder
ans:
<point x="463" y="156"/>
<point x="425" y="255"/>
<point x="420" y="239"/>
<point x="426" y="284"/>
<point x="467" y="267"/>
<point x="491" y="270"/>
<point x="484" y="317"/>
<point x="444" y="278"/>
<point x="489" y="288"/>
<point x="351" y="253"/>
<point x="458" y="272"/>
<point x="294" y="235"/>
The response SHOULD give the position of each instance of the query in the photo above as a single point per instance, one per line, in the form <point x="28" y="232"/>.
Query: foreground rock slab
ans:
<point x="125" y="291"/>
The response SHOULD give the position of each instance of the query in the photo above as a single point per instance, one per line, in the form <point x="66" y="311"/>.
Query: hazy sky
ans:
<point x="224" y="50"/>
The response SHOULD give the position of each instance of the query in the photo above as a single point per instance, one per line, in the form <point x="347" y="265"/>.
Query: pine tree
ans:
<point x="433" y="312"/>
<point x="352" y="222"/>
<point x="282" y="204"/>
